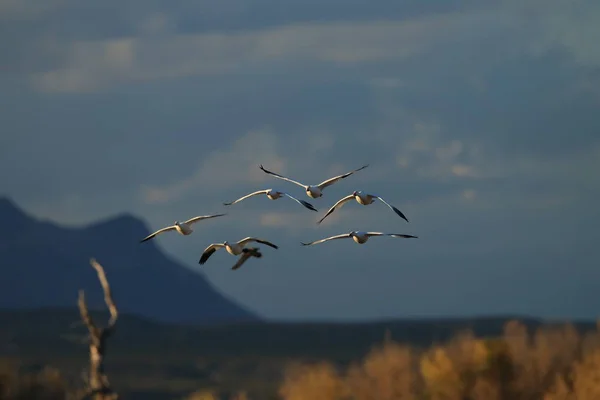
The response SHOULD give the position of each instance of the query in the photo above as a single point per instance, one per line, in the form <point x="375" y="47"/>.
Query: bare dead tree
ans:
<point x="97" y="382"/>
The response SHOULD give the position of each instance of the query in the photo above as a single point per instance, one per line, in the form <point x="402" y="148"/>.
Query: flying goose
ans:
<point x="183" y="228"/>
<point x="235" y="249"/>
<point x="361" y="198"/>
<point x="246" y="254"/>
<point x="273" y="195"/>
<point x="359" y="237"/>
<point x="315" y="191"/>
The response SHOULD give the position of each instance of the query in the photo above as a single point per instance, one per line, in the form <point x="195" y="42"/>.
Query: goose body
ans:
<point x="183" y="228"/>
<point x="364" y="199"/>
<point x="273" y="195"/>
<point x="314" y="191"/>
<point x="360" y="237"/>
<point x="233" y="248"/>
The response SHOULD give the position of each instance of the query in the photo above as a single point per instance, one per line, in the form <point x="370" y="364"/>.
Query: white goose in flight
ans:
<point x="315" y="191"/>
<point x="273" y="195"/>
<point x="235" y="249"/>
<point x="359" y="237"/>
<point x="362" y="198"/>
<point x="183" y="228"/>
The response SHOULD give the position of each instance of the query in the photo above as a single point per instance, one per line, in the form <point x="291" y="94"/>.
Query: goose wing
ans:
<point x="209" y="252"/>
<point x="333" y="180"/>
<point x="339" y="203"/>
<point x="158" y="232"/>
<point x="201" y="217"/>
<point x="391" y="207"/>
<point x="252" y="239"/>
<point x="398" y="235"/>
<point x="246" y="196"/>
<point x="282" y="177"/>
<point x="248" y="252"/>
<point x="342" y="236"/>
<point x="304" y="203"/>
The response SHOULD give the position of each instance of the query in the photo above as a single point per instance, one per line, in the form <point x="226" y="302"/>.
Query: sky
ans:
<point x="478" y="119"/>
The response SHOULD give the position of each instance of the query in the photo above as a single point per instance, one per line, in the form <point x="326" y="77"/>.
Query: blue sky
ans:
<point x="479" y="121"/>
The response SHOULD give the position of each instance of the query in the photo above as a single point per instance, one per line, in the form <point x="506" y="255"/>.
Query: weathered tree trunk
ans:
<point x="98" y="384"/>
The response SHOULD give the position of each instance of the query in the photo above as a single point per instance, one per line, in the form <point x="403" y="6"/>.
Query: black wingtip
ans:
<point x="400" y="214"/>
<point x="304" y="244"/>
<point x="308" y="205"/>
<point x="202" y="259"/>
<point x="227" y="204"/>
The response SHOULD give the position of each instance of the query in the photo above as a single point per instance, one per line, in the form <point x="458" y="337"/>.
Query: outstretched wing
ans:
<point x="342" y="236"/>
<point x="209" y="252"/>
<point x="251" y="239"/>
<point x="333" y="180"/>
<point x="339" y="203"/>
<point x="304" y="203"/>
<point x="247" y="253"/>
<point x="398" y="235"/>
<point x="201" y="217"/>
<point x="392" y="207"/>
<point x="246" y="196"/>
<point x="282" y="177"/>
<point x="168" y="228"/>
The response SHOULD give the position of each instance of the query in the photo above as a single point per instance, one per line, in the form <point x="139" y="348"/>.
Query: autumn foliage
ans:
<point x="554" y="363"/>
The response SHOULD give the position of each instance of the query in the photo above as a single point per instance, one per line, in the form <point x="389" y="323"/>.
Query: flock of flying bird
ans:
<point x="313" y="191"/>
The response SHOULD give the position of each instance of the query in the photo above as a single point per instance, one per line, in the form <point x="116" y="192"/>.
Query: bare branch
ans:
<point x="85" y="315"/>
<point x="114" y="314"/>
<point x="97" y="382"/>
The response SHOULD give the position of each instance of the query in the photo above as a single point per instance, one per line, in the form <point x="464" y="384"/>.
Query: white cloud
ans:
<point x="19" y="9"/>
<point x="96" y="64"/>
<point x="429" y="152"/>
<point x="225" y="168"/>
<point x="572" y="24"/>
<point x="469" y="194"/>
<point x="449" y="152"/>
<point x="466" y="171"/>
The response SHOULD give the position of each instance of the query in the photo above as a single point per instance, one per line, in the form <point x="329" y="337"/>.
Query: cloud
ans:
<point x="233" y="166"/>
<point x="93" y="65"/>
<point x="478" y="119"/>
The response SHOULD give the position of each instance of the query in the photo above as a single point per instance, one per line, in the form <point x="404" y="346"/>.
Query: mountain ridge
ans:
<point x="170" y="292"/>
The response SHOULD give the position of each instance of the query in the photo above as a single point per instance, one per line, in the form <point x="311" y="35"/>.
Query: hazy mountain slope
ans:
<point x="44" y="265"/>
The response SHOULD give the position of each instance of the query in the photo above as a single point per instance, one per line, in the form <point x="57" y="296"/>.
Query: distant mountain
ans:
<point x="44" y="265"/>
